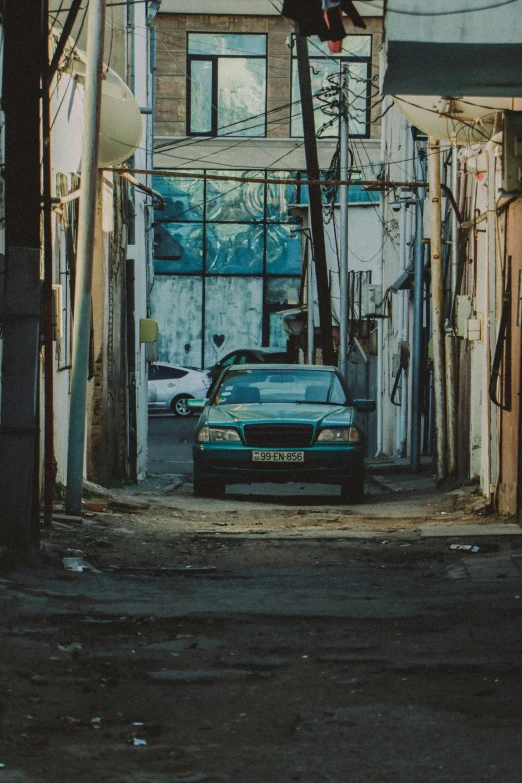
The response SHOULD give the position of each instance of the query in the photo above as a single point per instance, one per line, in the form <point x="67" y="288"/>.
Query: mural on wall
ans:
<point x="227" y="257"/>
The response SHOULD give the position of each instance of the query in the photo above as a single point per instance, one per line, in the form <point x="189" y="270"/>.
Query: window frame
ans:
<point x="214" y="60"/>
<point x="338" y="58"/>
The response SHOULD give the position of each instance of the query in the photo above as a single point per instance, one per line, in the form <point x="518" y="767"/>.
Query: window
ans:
<point x="355" y="58"/>
<point x="226" y="90"/>
<point x="158" y="372"/>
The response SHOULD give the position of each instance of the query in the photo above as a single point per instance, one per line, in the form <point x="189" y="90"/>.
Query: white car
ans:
<point x="171" y="385"/>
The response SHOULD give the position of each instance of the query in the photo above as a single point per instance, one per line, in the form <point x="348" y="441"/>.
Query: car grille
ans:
<point x="279" y="435"/>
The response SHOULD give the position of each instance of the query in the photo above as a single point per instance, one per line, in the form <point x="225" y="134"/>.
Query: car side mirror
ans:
<point x="365" y="406"/>
<point x="196" y="405"/>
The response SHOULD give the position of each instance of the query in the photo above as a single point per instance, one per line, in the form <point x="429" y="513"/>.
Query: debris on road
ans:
<point x="74" y="561"/>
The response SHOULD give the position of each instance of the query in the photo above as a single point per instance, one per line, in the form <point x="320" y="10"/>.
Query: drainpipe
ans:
<point x="85" y="256"/>
<point x="310" y="312"/>
<point x="437" y="306"/>
<point x="416" y="340"/>
<point x="451" y="348"/>
<point x="492" y="477"/>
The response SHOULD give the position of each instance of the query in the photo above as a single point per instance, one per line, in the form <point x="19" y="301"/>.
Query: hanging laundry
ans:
<point x="312" y="16"/>
<point x="313" y="20"/>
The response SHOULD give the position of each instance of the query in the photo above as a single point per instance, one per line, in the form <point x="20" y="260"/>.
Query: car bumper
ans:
<point x="322" y="465"/>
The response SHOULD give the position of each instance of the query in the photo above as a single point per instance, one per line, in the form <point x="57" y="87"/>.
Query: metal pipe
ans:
<point x="451" y="348"/>
<point x="437" y="307"/>
<point x="311" y="300"/>
<point x="451" y="399"/>
<point x="400" y="426"/>
<point x="343" y="219"/>
<point x="380" y="363"/>
<point x="85" y="253"/>
<point x="416" y="340"/>
<point x="454" y="219"/>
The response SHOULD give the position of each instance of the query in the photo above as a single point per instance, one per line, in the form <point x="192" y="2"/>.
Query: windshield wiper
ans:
<point x="317" y="402"/>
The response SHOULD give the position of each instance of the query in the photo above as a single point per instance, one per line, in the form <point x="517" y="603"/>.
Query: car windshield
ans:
<point x="240" y="387"/>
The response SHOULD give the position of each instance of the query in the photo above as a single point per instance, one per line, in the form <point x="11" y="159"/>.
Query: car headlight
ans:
<point x="220" y="434"/>
<point x="339" y="435"/>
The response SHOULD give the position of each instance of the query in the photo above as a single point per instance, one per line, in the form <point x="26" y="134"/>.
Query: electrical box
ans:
<point x="463" y="312"/>
<point x="475" y="328"/>
<point x="512" y="152"/>
<point x="372" y="299"/>
<point x="148" y="330"/>
<point x="151" y="352"/>
<point x="57" y="312"/>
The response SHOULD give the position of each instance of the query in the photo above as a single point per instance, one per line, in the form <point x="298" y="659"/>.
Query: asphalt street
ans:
<point x="170" y="444"/>
<point x="264" y="639"/>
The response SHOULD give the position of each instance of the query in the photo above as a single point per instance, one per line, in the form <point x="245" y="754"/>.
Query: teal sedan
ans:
<point x="280" y="423"/>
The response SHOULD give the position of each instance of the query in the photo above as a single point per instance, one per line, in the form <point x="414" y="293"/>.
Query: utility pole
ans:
<point x="437" y="306"/>
<point x="85" y="253"/>
<point x="47" y="321"/>
<point x="344" y="129"/>
<point x="315" y="200"/>
<point x="19" y="435"/>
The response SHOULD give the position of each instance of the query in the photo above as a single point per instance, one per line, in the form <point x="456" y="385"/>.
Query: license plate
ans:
<point x="278" y="456"/>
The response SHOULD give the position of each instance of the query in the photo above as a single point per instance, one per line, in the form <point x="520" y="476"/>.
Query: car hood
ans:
<point x="283" y="413"/>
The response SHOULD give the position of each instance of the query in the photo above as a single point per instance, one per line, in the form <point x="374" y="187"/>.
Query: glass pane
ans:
<point x="201" y="96"/>
<point x="231" y="44"/>
<point x="241" y="95"/>
<point x="303" y="189"/>
<point x="178" y="247"/>
<point x="358" y="86"/>
<point x="236" y="201"/>
<point x="235" y="248"/>
<point x="279" y="197"/>
<point x="282" y="293"/>
<point x="283" y="250"/>
<point x="319" y="73"/>
<point x="353" y="46"/>
<point x="183" y="196"/>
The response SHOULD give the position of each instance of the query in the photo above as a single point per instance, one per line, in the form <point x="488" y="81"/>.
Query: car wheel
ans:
<point x="211" y="488"/>
<point x="179" y="406"/>
<point x="352" y="492"/>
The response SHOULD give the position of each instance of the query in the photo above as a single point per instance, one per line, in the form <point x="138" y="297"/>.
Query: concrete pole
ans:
<point x="437" y="308"/>
<point x="85" y="253"/>
<point x="343" y="204"/>
<point x="20" y="299"/>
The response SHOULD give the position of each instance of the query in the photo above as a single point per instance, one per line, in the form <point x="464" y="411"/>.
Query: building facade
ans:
<point x="228" y="256"/>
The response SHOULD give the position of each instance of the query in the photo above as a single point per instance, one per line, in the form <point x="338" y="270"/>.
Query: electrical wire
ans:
<point x="236" y="187"/>
<point x="454" y="11"/>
